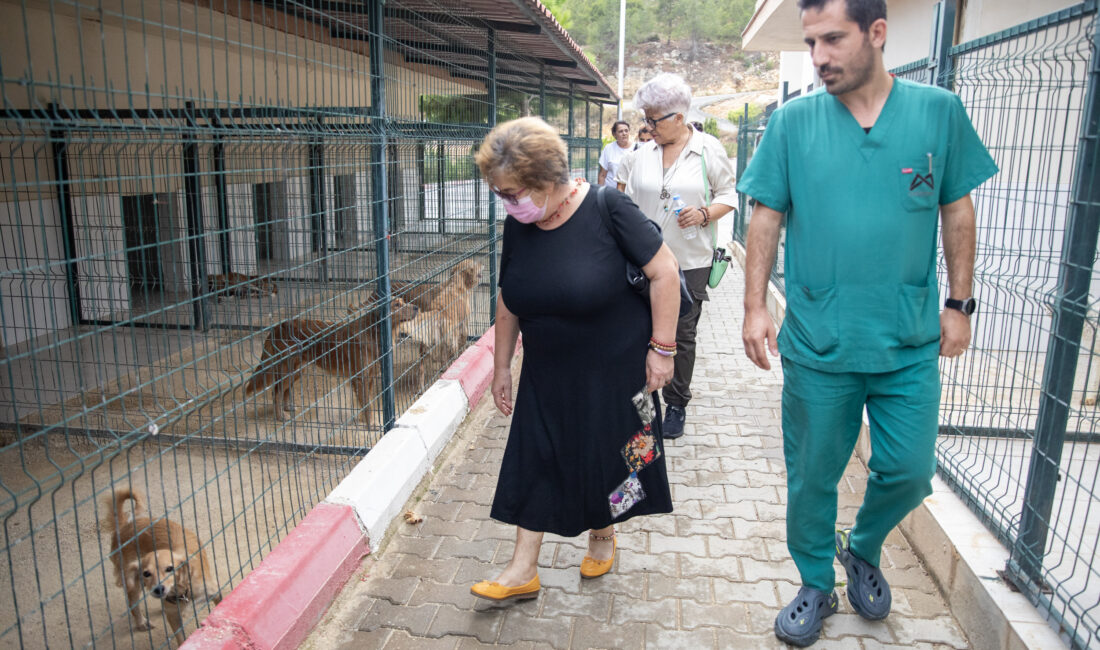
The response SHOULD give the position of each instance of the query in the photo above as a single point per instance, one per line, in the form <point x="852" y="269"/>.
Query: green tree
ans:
<point x="560" y="9"/>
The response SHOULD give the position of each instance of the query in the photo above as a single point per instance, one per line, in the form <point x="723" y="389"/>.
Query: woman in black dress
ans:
<point x="580" y="455"/>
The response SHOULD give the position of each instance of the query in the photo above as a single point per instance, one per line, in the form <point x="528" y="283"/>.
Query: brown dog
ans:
<point x="239" y="284"/>
<point x="347" y="350"/>
<point x="163" y="556"/>
<point x="442" y="326"/>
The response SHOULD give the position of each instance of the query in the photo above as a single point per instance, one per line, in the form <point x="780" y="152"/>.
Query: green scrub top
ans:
<point x="862" y="218"/>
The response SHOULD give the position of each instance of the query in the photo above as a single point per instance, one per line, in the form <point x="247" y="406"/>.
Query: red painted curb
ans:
<point x="281" y="600"/>
<point x="211" y="638"/>
<point x="474" y="368"/>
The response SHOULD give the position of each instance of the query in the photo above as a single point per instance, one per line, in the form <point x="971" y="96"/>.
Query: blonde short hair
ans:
<point x="527" y="148"/>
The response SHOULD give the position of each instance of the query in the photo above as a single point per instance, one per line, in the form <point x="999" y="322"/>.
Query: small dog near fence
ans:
<point x="239" y="284"/>
<point x="348" y="350"/>
<point x="442" y="326"/>
<point x="161" y="555"/>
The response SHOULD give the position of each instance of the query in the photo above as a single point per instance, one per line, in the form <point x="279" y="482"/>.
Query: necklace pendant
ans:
<point x="664" y="194"/>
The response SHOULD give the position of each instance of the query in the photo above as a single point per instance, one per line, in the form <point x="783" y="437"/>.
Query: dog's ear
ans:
<point x="131" y="574"/>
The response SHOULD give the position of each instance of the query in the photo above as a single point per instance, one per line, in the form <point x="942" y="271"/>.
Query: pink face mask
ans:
<point x="524" y="210"/>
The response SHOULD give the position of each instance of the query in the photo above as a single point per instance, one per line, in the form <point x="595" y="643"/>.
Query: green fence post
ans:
<point x="441" y="193"/>
<point x="317" y="199"/>
<point x="1070" y="310"/>
<point x="587" y="136"/>
<point x="570" y="129"/>
<point x="196" y="246"/>
<point x="943" y="36"/>
<point x="380" y="195"/>
<point x="222" y="198"/>
<point x="742" y="152"/>
<point x="421" y="178"/>
<point x="59" y="147"/>
<point x="491" y="63"/>
<point x="542" y="91"/>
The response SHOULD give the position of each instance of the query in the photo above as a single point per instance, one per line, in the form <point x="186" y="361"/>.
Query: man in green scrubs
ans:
<point x="864" y="173"/>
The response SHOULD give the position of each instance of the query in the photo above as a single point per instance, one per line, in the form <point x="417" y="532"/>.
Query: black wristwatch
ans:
<point x="968" y="306"/>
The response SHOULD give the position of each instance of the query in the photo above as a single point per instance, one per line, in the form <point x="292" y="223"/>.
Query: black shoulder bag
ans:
<point x="634" y="275"/>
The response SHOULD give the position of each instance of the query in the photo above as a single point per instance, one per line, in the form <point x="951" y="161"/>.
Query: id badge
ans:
<point x="643" y="403"/>
<point x="626" y="495"/>
<point x="641" y="449"/>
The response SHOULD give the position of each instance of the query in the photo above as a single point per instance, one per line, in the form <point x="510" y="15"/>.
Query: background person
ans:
<point x="862" y="172"/>
<point x="588" y="347"/>
<point x="627" y="163"/>
<point x="613" y="153"/>
<point x="673" y="165"/>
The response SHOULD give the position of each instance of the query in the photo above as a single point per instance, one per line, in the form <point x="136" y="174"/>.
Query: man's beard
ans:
<point x="858" y="74"/>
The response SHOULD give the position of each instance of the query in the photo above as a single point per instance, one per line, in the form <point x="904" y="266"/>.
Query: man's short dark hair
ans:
<point x="861" y="12"/>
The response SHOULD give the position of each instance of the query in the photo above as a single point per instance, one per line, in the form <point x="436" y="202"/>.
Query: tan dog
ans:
<point x="348" y="350"/>
<point x="442" y="327"/>
<point x="239" y="284"/>
<point x="162" y="556"/>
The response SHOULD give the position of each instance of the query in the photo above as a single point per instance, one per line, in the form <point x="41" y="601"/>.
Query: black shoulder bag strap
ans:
<point x="634" y="275"/>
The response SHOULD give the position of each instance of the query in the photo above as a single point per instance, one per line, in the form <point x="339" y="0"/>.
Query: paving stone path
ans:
<point x="711" y="575"/>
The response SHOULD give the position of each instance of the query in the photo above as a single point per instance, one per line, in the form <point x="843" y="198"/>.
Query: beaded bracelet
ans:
<point x="663" y="346"/>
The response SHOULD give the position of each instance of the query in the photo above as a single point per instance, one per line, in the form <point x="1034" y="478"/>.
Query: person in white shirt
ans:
<point x="613" y="153"/>
<point x="672" y="164"/>
<point x="625" y="165"/>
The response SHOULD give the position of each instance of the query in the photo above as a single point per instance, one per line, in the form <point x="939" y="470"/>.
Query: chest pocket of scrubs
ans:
<point x="812" y="318"/>
<point x="919" y="182"/>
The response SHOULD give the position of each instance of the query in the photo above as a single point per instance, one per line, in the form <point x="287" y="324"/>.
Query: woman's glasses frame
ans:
<point x="505" y="196"/>
<point x="652" y="124"/>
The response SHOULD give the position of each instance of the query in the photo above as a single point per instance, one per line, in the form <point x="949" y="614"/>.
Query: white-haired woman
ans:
<point x="673" y="164"/>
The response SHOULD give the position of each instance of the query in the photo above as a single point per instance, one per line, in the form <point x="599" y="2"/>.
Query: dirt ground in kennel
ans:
<point x="257" y="492"/>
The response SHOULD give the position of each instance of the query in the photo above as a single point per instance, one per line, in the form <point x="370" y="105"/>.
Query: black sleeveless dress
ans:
<point x="585" y="336"/>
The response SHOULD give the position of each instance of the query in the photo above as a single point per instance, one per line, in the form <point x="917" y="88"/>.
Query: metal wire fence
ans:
<point x="1019" y="437"/>
<point x="237" y="240"/>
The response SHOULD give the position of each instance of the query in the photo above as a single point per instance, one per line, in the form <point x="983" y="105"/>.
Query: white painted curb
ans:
<point x="437" y="415"/>
<point x="380" y="484"/>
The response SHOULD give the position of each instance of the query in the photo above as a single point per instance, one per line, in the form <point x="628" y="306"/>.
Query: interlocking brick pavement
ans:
<point x="711" y="575"/>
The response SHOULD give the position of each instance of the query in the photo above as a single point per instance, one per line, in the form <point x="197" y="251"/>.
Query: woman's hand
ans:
<point x="658" y="371"/>
<point x="502" y="390"/>
<point x="690" y="216"/>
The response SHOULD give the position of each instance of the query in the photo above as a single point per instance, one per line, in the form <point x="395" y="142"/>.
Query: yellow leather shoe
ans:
<point x="498" y="592"/>
<point x="592" y="568"/>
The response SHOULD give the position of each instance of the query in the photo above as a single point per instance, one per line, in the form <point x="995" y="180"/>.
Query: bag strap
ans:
<point x="601" y="203"/>
<point x="707" y="198"/>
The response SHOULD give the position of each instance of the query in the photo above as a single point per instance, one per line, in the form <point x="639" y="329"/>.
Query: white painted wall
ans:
<point x="908" y="31"/>
<point x="984" y="17"/>
<point x="797" y="69"/>
<point x="101" y="247"/>
<point x="34" y="299"/>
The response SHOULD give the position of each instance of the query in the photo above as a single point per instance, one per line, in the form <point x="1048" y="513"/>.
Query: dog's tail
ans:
<point x="113" y="507"/>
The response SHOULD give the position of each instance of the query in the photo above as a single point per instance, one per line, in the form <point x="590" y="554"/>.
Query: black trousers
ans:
<point x="678" y="391"/>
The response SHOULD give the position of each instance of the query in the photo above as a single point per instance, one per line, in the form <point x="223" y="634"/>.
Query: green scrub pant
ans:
<point x="821" y="421"/>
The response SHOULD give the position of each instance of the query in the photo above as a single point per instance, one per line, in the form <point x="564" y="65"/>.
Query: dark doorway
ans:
<point x="269" y="206"/>
<point x="148" y="222"/>
<point x="345" y="217"/>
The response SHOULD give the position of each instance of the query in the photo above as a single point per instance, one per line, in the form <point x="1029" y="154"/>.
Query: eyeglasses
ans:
<point x="651" y="123"/>
<point x="505" y="196"/>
